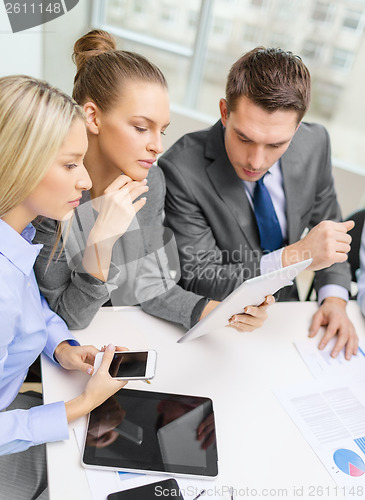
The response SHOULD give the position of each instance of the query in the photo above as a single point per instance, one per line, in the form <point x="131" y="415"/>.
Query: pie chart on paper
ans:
<point x="349" y="462"/>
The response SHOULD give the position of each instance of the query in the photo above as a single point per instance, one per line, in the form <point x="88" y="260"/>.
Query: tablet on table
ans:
<point x="161" y="435"/>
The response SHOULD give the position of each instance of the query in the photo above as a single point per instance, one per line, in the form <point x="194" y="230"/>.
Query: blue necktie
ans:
<point x="268" y="225"/>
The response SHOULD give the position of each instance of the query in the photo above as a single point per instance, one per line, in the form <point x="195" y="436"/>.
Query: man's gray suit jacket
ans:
<point x="215" y="228"/>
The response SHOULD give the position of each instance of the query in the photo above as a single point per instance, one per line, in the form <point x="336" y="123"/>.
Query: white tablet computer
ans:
<point x="152" y="432"/>
<point x="251" y="292"/>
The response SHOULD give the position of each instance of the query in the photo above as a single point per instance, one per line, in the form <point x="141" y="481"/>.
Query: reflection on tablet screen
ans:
<point x="178" y="439"/>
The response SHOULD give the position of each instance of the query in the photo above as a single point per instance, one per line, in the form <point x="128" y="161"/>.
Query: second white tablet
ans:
<point x="251" y="292"/>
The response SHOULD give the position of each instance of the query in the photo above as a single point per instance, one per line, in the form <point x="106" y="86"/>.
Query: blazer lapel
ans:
<point x="293" y="187"/>
<point x="229" y="187"/>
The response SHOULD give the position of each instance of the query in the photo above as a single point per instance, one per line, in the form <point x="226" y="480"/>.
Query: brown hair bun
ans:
<point x="92" y="44"/>
<point x="103" y="71"/>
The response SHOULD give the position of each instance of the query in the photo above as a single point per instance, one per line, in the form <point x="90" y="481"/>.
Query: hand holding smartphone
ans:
<point x="130" y="365"/>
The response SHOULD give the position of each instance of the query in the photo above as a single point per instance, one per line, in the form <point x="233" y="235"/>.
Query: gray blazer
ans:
<point x="139" y="272"/>
<point x="215" y="228"/>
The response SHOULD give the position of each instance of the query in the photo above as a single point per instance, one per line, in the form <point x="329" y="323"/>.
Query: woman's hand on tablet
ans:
<point x="253" y="316"/>
<point x="98" y="389"/>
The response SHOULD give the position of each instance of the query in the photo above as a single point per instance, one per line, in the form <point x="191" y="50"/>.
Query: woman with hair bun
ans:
<point x="42" y="145"/>
<point x="126" y="103"/>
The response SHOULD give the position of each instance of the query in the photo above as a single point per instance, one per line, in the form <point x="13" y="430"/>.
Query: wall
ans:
<point x="350" y="187"/>
<point x="58" y="41"/>
<point x="20" y="52"/>
<point x="44" y="51"/>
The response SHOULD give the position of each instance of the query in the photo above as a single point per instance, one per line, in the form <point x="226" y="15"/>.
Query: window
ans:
<point x="117" y="10"/>
<point x="252" y="35"/>
<point x="139" y="8"/>
<point x="342" y="59"/>
<point x="262" y="4"/>
<point x="195" y="42"/>
<point x="326" y="98"/>
<point x="169" y="15"/>
<point x="153" y="24"/>
<point x="312" y="50"/>
<point x="193" y="18"/>
<point x="354" y="20"/>
<point x="323" y="12"/>
<point x="287" y="8"/>
<point x="222" y="28"/>
<point x="279" y="40"/>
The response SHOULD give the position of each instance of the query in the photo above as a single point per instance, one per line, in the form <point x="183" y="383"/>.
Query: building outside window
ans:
<point x="354" y="20"/>
<point x="323" y="12"/>
<point x="342" y="59"/>
<point x="251" y="35"/>
<point x="169" y="15"/>
<point x="222" y="28"/>
<point x="312" y="50"/>
<point x="262" y="4"/>
<point x="139" y="7"/>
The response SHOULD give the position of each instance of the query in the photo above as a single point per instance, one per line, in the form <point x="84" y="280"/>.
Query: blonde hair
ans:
<point x="34" y="121"/>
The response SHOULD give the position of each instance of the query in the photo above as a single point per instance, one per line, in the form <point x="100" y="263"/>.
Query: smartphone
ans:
<point x="167" y="488"/>
<point x="130" y="365"/>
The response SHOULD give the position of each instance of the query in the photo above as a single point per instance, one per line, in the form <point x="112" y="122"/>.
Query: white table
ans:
<point x="259" y="446"/>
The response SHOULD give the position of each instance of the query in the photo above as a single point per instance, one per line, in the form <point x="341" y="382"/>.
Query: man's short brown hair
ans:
<point x="271" y="78"/>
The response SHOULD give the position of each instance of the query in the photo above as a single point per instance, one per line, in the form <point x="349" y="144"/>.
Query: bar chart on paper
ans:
<point x="360" y="443"/>
<point x="349" y="462"/>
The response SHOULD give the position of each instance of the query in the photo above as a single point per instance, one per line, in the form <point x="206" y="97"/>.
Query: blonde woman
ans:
<point x="42" y="145"/>
<point x="126" y="102"/>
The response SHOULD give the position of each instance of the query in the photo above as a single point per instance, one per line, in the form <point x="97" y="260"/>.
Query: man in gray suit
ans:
<point x="241" y="193"/>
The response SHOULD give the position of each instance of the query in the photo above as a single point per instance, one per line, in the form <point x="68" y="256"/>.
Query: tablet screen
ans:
<point x="153" y="432"/>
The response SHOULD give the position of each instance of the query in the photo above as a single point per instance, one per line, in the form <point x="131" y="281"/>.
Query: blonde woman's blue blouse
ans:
<point x="27" y="327"/>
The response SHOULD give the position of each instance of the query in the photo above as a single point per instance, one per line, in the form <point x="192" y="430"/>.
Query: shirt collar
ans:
<point x="18" y="248"/>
